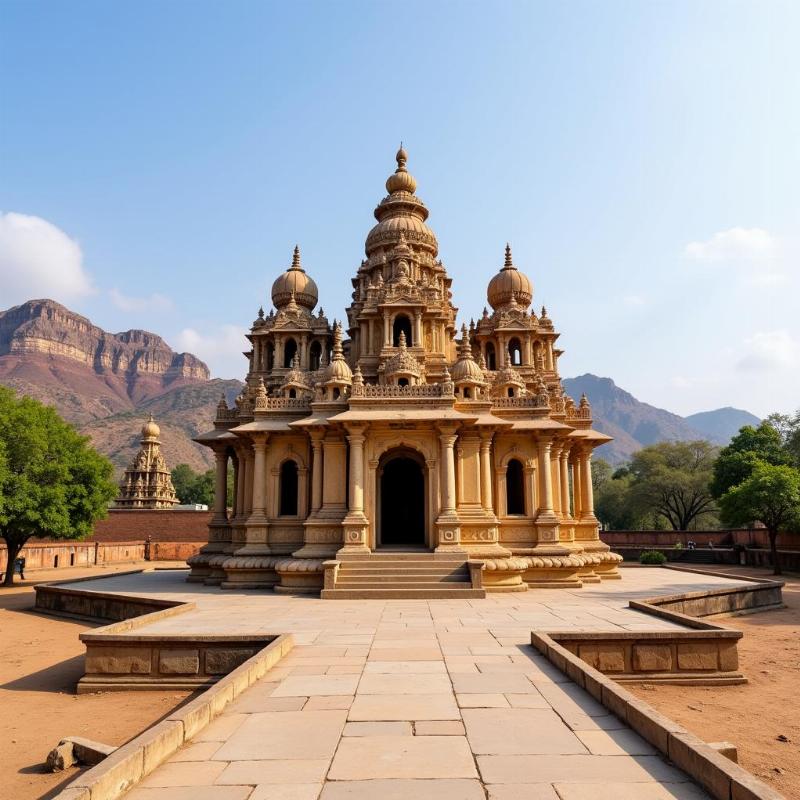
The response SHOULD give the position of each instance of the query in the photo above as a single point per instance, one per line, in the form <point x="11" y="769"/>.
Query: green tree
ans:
<point x="53" y="484"/>
<point x="671" y="480"/>
<point x="613" y="504"/>
<point x="788" y="428"/>
<point x="601" y="472"/>
<point x="748" y="448"/>
<point x="198" y="487"/>
<point x="769" y="495"/>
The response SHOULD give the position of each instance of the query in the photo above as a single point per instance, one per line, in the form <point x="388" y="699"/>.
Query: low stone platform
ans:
<point x="416" y="699"/>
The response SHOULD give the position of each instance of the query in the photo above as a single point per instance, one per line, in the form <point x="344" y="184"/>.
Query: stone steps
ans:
<point x="402" y="575"/>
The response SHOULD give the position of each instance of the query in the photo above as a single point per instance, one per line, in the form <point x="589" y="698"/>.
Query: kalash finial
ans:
<point x="296" y="259"/>
<point x="509" y="263"/>
<point x="401" y="180"/>
<point x="401" y="342"/>
<point x="464" y="347"/>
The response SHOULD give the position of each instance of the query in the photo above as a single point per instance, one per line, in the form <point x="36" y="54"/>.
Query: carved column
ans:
<point x="417" y="327"/>
<point x="576" y="487"/>
<point x="448" y="522"/>
<point x="256" y="525"/>
<point x="316" y="472"/>
<point x="220" y="486"/>
<point x="387" y="331"/>
<point x="355" y="523"/>
<point x="587" y="490"/>
<point x="486" y="473"/>
<point x="546" y="521"/>
<point x="564" y="466"/>
<point x="304" y="351"/>
<point x="555" y="477"/>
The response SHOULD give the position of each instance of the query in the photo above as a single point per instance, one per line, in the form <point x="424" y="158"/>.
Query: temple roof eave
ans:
<point x="405" y="415"/>
<point x="214" y="436"/>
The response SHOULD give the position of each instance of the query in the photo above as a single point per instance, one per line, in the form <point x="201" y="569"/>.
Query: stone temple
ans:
<point x="147" y="482"/>
<point x="409" y="459"/>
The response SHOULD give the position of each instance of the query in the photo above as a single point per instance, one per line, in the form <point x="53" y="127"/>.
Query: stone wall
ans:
<point x="754" y="537"/>
<point x="57" y="555"/>
<point x="127" y="525"/>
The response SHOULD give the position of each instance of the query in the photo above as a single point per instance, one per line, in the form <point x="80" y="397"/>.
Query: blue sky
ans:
<point x="159" y="160"/>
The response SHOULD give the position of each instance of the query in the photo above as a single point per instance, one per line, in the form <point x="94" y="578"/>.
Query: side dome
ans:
<point x="466" y="370"/>
<point x="295" y="282"/>
<point x="338" y="371"/>
<point x="150" y="430"/>
<point x="509" y="284"/>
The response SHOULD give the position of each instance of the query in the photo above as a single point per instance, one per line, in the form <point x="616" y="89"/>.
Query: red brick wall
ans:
<point x="161" y="526"/>
<point x="756" y="537"/>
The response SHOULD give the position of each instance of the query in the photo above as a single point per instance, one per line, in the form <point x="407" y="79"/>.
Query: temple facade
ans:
<point x="147" y="482"/>
<point x="397" y="455"/>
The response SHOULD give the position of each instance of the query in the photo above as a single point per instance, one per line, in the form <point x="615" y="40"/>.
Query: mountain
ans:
<point x="722" y="424"/>
<point x="634" y="424"/>
<point x="107" y="383"/>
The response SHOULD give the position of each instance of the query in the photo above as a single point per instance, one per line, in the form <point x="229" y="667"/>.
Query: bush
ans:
<point x="652" y="557"/>
<point x="677" y="546"/>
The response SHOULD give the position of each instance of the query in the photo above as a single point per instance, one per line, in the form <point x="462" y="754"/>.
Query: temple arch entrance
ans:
<point x="401" y="499"/>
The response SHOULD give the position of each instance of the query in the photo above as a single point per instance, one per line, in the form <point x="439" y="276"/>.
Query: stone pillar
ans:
<point x="527" y="351"/>
<point x="546" y="520"/>
<point x="555" y="477"/>
<point x="417" y="328"/>
<point x="564" y="466"/>
<point x="550" y="355"/>
<point x="587" y="490"/>
<point x="259" y="473"/>
<point x="221" y="486"/>
<point x="316" y="472"/>
<point x="239" y="479"/>
<point x="355" y="523"/>
<point x="486" y="473"/>
<point x="303" y="346"/>
<point x="448" y="523"/>
<point x="256" y="496"/>
<point x="387" y="330"/>
<point x="576" y="488"/>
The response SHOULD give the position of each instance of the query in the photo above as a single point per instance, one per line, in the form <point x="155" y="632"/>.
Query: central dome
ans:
<point x="401" y="212"/>
<point x="509" y="286"/>
<point x="295" y="282"/>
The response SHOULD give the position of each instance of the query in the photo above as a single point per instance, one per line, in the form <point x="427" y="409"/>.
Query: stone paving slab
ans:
<point x="425" y="700"/>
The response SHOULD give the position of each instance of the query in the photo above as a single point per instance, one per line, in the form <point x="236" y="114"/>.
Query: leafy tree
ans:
<point x="788" y="428"/>
<point x="671" y="480"/>
<point x="198" y="487"/>
<point x="601" y="472"/>
<point x="769" y="495"/>
<point x="748" y="448"/>
<point x="52" y="482"/>
<point x="614" y="506"/>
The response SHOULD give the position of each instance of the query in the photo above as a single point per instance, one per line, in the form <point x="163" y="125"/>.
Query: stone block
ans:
<point x="604" y="657"/>
<point x="74" y="793"/>
<point x="651" y="725"/>
<point x="727" y="749"/>
<point x="221" y="661"/>
<point x="699" y="761"/>
<point x="159" y="743"/>
<point x="179" y="662"/>
<point x="745" y="786"/>
<point x="116" y="774"/>
<point x="697" y="655"/>
<point x="89" y="752"/>
<point x="119" y="660"/>
<point x="728" y="656"/>
<point x="652" y="658"/>
<point x="194" y="716"/>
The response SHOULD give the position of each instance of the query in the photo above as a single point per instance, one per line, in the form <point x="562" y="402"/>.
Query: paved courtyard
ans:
<point x="419" y="699"/>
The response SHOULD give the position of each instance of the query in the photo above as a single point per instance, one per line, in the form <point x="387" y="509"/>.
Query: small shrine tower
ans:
<point x="147" y="482"/>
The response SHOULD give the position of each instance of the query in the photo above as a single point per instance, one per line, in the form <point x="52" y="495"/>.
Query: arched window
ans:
<point x="510" y="391"/>
<point x="402" y="381"/>
<point x="466" y="393"/>
<point x="491" y="361"/>
<point x="515" y="488"/>
<point x="515" y="352"/>
<point x="289" y="352"/>
<point x="292" y="393"/>
<point x="401" y="323"/>
<point x="288" y="489"/>
<point x="315" y="355"/>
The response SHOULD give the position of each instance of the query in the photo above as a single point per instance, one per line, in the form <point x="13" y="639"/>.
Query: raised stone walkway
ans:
<point x="422" y="699"/>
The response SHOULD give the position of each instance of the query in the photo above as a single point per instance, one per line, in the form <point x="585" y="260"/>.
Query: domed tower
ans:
<point x="510" y="286"/>
<point x="401" y="287"/>
<point x="147" y="482"/>
<point x="290" y="343"/>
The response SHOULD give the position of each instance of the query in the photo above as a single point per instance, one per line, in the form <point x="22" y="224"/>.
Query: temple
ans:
<point x="410" y="459"/>
<point x="147" y="482"/>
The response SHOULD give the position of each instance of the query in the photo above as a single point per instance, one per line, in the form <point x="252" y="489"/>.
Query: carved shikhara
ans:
<point x="493" y="458"/>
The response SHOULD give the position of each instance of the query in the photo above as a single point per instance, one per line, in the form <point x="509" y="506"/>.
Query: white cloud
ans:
<point x="154" y="302"/>
<point x="770" y="350"/>
<point x="735" y="244"/>
<point x="39" y="260"/>
<point x="221" y="349"/>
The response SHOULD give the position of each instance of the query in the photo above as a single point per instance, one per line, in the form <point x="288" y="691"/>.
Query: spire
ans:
<point x="338" y="353"/>
<point x="544" y="313"/>
<point x="509" y="263"/>
<point x="401" y="180"/>
<point x="296" y="265"/>
<point x="464" y="347"/>
<point x="402" y="340"/>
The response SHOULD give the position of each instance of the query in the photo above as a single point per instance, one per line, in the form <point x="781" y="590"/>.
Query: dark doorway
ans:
<point x="402" y="497"/>
<point x="402" y="324"/>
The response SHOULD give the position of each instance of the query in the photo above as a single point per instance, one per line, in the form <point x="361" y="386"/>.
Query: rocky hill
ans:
<point x="634" y="424"/>
<point x="107" y="383"/>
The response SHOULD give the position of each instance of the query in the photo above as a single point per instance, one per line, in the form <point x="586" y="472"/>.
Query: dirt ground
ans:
<point x="41" y="660"/>
<point x="757" y="715"/>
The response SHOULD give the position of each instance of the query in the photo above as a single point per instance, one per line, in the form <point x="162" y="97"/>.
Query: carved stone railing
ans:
<point x="528" y="401"/>
<point x="283" y="404"/>
<point x="423" y="390"/>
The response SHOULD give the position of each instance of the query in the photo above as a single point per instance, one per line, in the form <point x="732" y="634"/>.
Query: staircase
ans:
<point x="699" y="556"/>
<point x="398" y="575"/>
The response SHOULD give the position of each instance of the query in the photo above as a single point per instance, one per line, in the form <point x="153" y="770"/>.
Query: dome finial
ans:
<point x="401" y="180"/>
<point x="509" y="264"/>
<point x="296" y="259"/>
<point x="401" y="158"/>
<point x="401" y="341"/>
